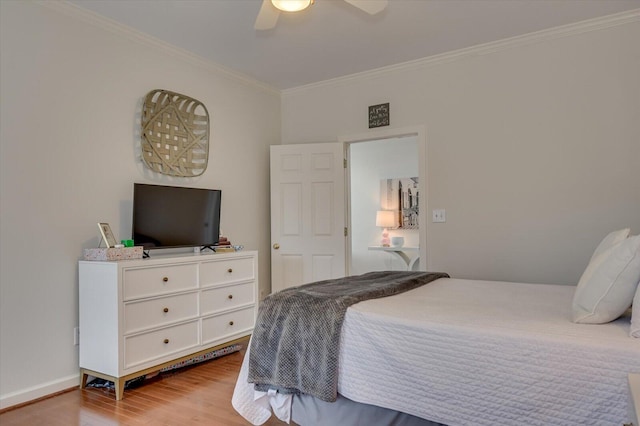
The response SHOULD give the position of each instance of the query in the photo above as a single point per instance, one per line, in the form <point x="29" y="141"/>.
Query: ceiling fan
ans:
<point x="270" y="9"/>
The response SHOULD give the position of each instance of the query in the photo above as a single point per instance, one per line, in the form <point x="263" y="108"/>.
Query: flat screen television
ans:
<point x="172" y="216"/>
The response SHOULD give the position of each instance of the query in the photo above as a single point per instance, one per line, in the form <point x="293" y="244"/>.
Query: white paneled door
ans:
<point x="307" y="214"/>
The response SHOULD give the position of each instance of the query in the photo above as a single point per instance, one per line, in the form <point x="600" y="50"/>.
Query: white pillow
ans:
<point x="608" y="284"/>
<point x="611" y="240"/>
<point x="635" y="315"/>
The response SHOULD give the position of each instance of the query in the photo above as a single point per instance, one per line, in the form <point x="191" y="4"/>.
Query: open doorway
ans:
<point x="383" y="176"/>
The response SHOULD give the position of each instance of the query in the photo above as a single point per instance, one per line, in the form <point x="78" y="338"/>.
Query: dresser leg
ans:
<point x="83" y="378"/>
<point x="119" y="385"/>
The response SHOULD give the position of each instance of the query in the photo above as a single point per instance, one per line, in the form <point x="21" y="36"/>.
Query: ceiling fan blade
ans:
<point x="370" y="6"/>
<point x="267" y="17"/>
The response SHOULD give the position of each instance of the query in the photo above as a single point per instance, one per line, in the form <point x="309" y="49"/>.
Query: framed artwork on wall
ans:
<point x="401" y="195"/>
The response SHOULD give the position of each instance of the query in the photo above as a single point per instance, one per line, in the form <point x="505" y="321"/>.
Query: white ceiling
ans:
<point x="332" y="38"/>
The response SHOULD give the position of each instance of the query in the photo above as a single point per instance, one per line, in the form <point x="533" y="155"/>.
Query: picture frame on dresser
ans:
<point x="107" y="235"/>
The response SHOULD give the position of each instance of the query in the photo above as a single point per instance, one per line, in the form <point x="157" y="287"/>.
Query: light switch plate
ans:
<point x="439" y="216"/>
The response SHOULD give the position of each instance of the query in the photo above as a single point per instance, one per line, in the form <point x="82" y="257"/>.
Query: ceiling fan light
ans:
<point x="291" y="5"/>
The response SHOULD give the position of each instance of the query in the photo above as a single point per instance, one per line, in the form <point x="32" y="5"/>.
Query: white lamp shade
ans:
<point x="386" y="219"/>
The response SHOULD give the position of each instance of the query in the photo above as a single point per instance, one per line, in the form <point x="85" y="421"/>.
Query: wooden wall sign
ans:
<point x="379" y="115"/>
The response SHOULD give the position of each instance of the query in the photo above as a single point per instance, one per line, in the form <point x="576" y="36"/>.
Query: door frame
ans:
<point x="420" y="132"/>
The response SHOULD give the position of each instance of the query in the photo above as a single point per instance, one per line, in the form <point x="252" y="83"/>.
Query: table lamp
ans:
<point x="385" y="219"/>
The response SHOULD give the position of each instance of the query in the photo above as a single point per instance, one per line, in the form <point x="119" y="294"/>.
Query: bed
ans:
<point x="470" y="352"/>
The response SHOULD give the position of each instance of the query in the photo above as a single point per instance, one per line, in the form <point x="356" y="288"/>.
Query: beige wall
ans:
<point x="533" y="148"/>
<point x="71" y="96"/>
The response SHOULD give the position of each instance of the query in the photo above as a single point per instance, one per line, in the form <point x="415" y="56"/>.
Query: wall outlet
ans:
<point x="76" y="336"/>
<point x="439" y="216"/>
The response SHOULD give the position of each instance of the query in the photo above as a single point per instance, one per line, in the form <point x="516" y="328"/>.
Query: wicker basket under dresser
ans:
<point x="138" y="316"/>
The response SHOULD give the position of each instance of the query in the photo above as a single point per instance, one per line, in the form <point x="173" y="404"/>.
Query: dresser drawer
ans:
<point x="142" y="315"/>
<point x="220" y="326"/>
<point x="156" y="344"/>
<point x="153" y="281"/>
<point x="218" y="299"/>
<point x="226" y="271"/>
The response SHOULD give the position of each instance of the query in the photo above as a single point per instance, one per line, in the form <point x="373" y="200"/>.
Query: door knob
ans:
<point x="276" y="246"/>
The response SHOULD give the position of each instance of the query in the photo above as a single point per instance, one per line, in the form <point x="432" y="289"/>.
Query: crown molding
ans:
<point x="92" y="18"/>
<point x="594" y="24"/>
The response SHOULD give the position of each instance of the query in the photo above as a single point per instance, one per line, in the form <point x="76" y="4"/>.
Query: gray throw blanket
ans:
<point x="295" y="343"/>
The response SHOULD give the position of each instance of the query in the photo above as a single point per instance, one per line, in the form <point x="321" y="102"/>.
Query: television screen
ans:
<point x="171" y="216"/>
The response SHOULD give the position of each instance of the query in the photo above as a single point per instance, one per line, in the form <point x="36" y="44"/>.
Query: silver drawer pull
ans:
<point x="230" y="296"/>
<point x="165" y="310"/>
<point x="165" y="279"/>
<point x="166" y="341"/>
<point x="230" y="322"/>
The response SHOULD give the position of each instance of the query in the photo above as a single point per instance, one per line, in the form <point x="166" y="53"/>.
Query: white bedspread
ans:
<point x="464" y="352"/>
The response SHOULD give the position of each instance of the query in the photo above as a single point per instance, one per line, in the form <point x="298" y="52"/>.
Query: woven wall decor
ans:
<point x="175" y="134"/>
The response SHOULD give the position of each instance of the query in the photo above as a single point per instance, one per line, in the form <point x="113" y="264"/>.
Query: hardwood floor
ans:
<point x="195" y="395"/>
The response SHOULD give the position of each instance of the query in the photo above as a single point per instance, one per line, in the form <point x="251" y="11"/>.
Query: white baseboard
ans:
<point x="35" y="392"/>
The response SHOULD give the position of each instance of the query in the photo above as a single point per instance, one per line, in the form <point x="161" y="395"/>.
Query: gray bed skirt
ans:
<point x="309" y="411"/>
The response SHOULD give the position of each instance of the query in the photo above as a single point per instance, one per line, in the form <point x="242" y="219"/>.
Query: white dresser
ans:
<point x="137" y="316"/>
